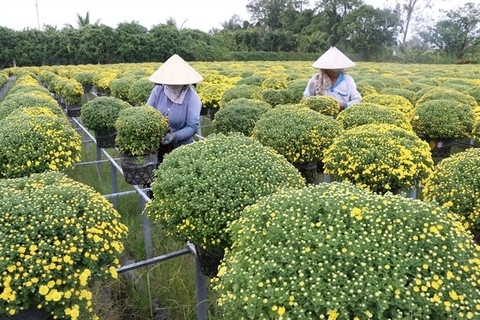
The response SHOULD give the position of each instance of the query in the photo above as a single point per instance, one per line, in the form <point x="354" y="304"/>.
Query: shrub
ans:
<point x="324" y="104"/>
<point x="140" y="92"/>
<point x="276" y="97"/>
<point x="211" y="94"/>
<point x="253" y="80"/>
<point x="446" y="94"/>
<point x="379" y="158"/>
<point x="28" y="100"/>
<point x="408" y="94"/>
<point x="101" y="113"/>
<point x="391" y="101"/>
<point x="455" y="183"/>
<point x="336" y="252"/>
<point x="120" y="88"/>
<point x="201" y="187"/>
<point x="241" y="91"/>
<point x="239" y="115"/>
<point x="447" y="119"/>
<point x="299" y="134"/>
<point x="57" y="236"/>
<point x="296" y="89"/>
<point x="274" y="83"/>
<point x="85" y="78"/>
<point x="139" y="130"/>
<point x="36" y="143"/>
<point x="369" y="113"/>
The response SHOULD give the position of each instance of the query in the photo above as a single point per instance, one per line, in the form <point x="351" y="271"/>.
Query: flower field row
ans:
<point x="352" y="249"/>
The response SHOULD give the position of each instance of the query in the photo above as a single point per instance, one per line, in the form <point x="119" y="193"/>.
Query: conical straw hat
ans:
<point x="175" y="71"/>
<point x="333" y="59"/>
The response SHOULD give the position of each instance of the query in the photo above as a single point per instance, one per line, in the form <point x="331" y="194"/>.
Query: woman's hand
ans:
<point x="168" y="138"/>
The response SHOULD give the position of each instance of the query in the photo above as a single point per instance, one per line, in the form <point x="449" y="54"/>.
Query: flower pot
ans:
<point x="30" y="314"/>
<point x="209" y="260"/>
<point x="87" y="88"/>
<point x="105" y="139"/>
<point x="440" y="148"/>
<point x="308" y="170"/>
<point x="73" y="110"/>
<point x="139" y="170"/>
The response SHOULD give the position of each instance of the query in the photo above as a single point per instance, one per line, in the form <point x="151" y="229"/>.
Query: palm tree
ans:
<point x="82" y="22"/>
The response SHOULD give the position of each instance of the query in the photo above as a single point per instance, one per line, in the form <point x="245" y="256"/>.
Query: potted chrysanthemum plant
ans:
<point x="200" y="188"/>
<point x="299" y="134"/>
<point x="100" y="115"/>
<point x="57" y="237"/>
<point x="379" y="158"/>
<point x="335" y="251"/>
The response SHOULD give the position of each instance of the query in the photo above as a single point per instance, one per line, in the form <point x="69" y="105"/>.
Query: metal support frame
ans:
<point x="201" y="279"/>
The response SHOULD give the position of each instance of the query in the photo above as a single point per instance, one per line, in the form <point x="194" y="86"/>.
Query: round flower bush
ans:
<point x="57" y="236"/>
<point x="369" y="113"/>
<point x="298" y="133"/>
<point x="36" y="143"/>
<point x="391" y="101"/>
<point x="434" y="119"/>
<point x="239" y="115"/>
<point x="201" y="187"/>
<point x="379" y="158"/>
<point x="324" y="104"/>
<point x="241" y="91"/>
<point x="276" y="97"/>
<point x="101" y="113"/>
<point x="333" y="251"/>
<point x="120" y="87"/>
<point x="140" y="91"/>
<point x="438" y="93"/>
<point x="455" y="182"/>
<point x="139" y="130"/>
<point x="28" y="100"/>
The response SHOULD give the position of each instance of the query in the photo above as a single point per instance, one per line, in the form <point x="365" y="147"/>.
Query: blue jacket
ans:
<point x="184" y="118"/>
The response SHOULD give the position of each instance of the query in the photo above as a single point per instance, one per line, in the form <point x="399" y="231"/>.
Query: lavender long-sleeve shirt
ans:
<point x="183" y="118"/>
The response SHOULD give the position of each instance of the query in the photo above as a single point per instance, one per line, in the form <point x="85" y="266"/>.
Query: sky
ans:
<point x="195" y="14"/>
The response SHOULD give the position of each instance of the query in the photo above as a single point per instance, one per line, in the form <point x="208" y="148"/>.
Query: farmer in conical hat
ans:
<point x="331" y="79"/>
<point x="176" y="99"/>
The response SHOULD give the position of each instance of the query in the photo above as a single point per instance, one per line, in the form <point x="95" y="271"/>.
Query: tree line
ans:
<point x="277" y="29"/>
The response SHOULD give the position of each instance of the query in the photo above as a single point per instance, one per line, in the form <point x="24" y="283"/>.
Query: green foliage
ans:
<point x="29" y="88"/>
<point x="85" y="78"/>
<point x="140" y="91"/>
<point x="36" y="143"/>
<point x="57" y="237"/>
<point x="333" y="251"/>
<point x="296" y="132"/>
<point x="390" y="101"/>
<point x="408" y="94"/>
<point x="200" y="188"/>
<point x="120" y="88"/>
<point x="296" y="89"/>
<point x="274" y="83"/>
<point x="324" y="104"/>
<point x="101" y="113"/>
<point x="447" y="94"/>
<point x="28" y="100"/>
<point x="455" y="184"/>
<point x="276" y="97"/>
<point x="369" y="113"/>
<point x="379" y="158"/>
<point x="242" y="91"/>
<point x="139" y="130"/>
<point x="239" y="115"/>
<point x="447" y="119"/>
<point x="253" y="80"/>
